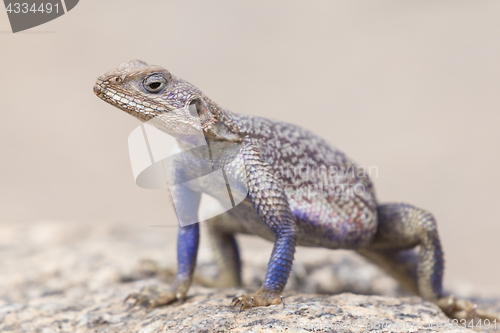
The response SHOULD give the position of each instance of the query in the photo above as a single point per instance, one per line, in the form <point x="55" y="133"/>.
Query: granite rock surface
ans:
<point x="69" y="277"/>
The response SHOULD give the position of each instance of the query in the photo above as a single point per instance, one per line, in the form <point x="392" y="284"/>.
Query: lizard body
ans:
<point x="301" y="191"/>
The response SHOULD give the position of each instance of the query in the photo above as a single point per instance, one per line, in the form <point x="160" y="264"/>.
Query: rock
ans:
<point x="209" y="311"/>
<point x="73" y="284"/>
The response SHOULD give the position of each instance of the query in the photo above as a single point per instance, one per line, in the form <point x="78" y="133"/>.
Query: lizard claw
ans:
<point x="129" y="296"/>
<point x="235" y="301"/>
<point x="238" y="300"/>
<point x="139" y="299"/>
<point x="261" y="298"/>
<point x="464" y="309"/>
<point x="153" y="299"/>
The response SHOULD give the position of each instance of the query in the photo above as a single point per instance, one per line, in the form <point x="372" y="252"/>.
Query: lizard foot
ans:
<point x="262" y="297"/>
<point x="464" y="309"/>
<point x="150" y="298"/>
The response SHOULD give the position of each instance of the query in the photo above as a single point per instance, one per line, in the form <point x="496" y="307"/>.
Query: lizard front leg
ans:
<point x="186" y="203"/>
<point x="269" y="201"/>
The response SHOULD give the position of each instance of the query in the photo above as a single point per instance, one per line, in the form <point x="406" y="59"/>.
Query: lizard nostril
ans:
<point x="116" y="80"/>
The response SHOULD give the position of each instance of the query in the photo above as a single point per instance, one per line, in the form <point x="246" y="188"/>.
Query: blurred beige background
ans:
<point x="411" y="87"/>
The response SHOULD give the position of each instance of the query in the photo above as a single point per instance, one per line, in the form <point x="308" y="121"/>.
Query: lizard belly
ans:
<point x="334" y="232"/>
<point x="249" y="222"/>
<point x="328" y="222"/>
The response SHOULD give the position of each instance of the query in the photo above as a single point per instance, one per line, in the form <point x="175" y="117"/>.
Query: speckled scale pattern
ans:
<point x="270" y="157"/>
<point x="270" y="203"/>
<point x="347" y="220"/>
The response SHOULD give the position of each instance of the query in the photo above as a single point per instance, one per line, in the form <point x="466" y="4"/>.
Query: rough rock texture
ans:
<point x="68" y="277"/>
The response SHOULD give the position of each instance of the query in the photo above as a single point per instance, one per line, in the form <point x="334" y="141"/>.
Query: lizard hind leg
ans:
<point x="407" y="246"/>
<point x="226" y="255"/>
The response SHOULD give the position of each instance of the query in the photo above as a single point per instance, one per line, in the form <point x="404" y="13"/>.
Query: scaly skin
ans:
<point x="301" y="191"/>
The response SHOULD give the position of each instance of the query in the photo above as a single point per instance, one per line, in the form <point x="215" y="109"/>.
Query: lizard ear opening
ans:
<point x="193" y="108"/>
<point x="198" y="108"/>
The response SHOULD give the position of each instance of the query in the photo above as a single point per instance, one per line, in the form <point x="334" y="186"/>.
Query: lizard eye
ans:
<point x="155" y="83"/>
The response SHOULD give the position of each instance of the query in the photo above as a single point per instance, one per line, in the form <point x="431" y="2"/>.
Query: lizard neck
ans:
<point x="225" y="127"/>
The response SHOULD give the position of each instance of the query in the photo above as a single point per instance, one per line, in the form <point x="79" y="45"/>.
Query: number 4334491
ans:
<point x="25" y="8"/>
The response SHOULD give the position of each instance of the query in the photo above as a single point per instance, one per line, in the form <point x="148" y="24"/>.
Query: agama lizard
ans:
<point x="400" y="237"/>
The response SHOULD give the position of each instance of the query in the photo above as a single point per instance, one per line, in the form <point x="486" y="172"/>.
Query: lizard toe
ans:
<point x="152" y="299"/>
<point x="463" y="309"/>
<point x="262" y="297"/>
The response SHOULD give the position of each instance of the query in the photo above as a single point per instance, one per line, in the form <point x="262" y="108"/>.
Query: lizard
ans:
<point x="399" y="237"/>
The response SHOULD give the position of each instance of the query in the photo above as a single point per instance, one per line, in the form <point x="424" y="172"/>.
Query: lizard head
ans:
<point x="151" y="93"/>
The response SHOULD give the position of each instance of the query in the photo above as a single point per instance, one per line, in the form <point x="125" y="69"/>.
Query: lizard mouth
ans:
<point x="132" y="106"/>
